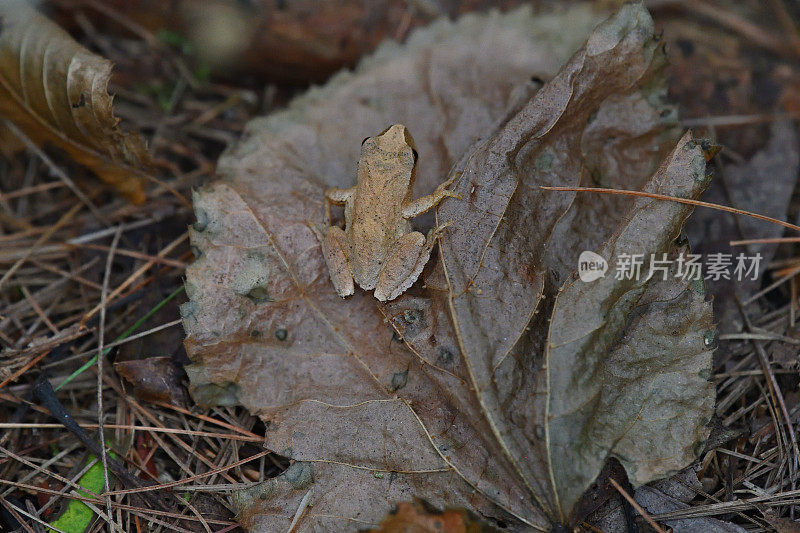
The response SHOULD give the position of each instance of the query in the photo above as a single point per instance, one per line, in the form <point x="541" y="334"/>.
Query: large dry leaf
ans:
<point x="55" y="90"/>
<point x="460" y="399"/>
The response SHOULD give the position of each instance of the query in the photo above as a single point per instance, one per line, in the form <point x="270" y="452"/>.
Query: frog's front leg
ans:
<point x="336" y="197"/>
<point x="334" y="246"/>
<point x="420" y="205"/>
<point x="406" y="260"/>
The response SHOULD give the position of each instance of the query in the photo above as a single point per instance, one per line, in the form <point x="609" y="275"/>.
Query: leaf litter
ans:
<point x="504" y="382"/>
<point x="774" y="169"/>
<point x="744" y="464"/>
<point x="54" y="90"/>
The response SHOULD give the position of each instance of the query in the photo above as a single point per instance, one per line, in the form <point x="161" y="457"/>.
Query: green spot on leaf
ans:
<point x="77" y="517"/>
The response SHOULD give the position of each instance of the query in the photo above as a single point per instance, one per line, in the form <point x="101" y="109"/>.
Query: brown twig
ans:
<point x="635" y="505"/>
<point x="688" y="201"/>
<point x="101" y="362"/>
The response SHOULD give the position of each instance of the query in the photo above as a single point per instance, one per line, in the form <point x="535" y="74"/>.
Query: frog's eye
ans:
<point x="415" y="154"/>
<point x="365" y="140"/>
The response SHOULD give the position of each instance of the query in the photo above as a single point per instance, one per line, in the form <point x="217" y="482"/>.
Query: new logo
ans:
<point x="591" y="266"/>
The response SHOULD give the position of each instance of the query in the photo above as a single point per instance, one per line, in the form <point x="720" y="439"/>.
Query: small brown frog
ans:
<point x="378" y="249"/>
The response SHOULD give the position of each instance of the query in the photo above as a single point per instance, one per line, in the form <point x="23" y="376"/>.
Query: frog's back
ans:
<point x="376" y="225"/>
<point x="385" y="176"/>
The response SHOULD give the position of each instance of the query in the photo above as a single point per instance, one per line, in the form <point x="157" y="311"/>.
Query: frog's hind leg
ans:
<point x="333" y="248"/>
<point x="406" y="260"/>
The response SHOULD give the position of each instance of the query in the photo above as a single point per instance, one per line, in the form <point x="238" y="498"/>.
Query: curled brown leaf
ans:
<point x="54" y="89"/>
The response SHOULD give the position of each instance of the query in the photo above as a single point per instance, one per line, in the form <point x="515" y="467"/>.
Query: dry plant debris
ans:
<point x="54" y="89"/>
<point x="86" y="276"/>
<point x="287" y="42"/>
<point x="485" y="404"/>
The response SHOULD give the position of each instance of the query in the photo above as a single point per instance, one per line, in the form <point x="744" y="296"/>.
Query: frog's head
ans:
<point x="394" y="141"/>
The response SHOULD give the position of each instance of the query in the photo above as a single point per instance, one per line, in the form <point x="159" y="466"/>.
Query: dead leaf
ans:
<point x="602" y="495"/>
<point x="470" y="399"/>
<point x="663" y="496"/>
<point x="488" y="251"/>
<point x="55" y="91"/>
<point x="414" y="517"/>
<point x="781" y="525"/>
<point x="154" y="379"/>
<point x="609" y="327"/>
<point x="775" y="169"/>
<point x="673" y="494"/>
<point x="291" y="42"/>
<point x="786" y="355"/>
